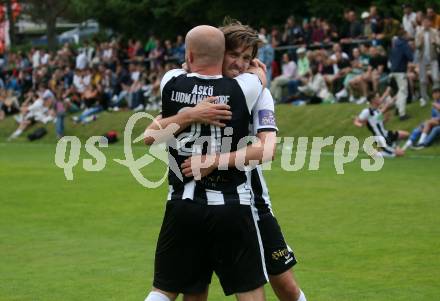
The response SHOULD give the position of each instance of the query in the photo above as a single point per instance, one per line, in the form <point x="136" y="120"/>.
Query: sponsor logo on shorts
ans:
<point x="288" y="258"/>
<point x="276" y="255"/>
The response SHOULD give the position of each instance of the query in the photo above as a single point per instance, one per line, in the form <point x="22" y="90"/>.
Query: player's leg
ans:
<point x="433" y="135"/>
<point x="402" y="134"/>
<point x="413" y="137"/>
<point x="236" y="251"/>
<point x="285" y="287"/>
<point x="427" y="126"/>
<point x="21" y="128"/>
<point x="159" y="295"/>
<point x="364" y="87"/>
<point x="353" y="87"/>
<point x="196" y="297"/>
<point x="279" y="259"/>
<point x="180" y="261"/>
<point x="375" y="79"/>
<point x="254" y="295"/>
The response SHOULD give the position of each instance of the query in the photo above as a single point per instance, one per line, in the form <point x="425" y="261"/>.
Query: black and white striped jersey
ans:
<point x="263" y="119"/>
<point x="375" y="118"/>
<point x="181" y="90"/>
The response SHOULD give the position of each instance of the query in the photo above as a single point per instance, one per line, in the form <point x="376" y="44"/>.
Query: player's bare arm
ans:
<point x="206" y="112"/>
<point x="359" y="123"/>
<point x="261" y="151"/>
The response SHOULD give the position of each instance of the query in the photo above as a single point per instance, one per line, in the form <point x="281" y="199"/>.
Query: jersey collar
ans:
<point x="202" y="76"/>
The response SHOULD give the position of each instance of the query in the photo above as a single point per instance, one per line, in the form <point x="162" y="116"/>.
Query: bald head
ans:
<point x="205" y="46"/>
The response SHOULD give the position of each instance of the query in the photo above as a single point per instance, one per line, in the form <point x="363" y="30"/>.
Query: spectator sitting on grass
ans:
<point x="131" y="89"/>
<point x="354" y="82"/>
<point x="428" y="131"/>
<point x="378" y="70"/>
<point x="289" y="72"/>
<point x="38" y="111"/>
<point x="92" y="101"/>
<point x="314" y="89"/>
<point x="302" y="73"/>
<point x="8" y="104"/>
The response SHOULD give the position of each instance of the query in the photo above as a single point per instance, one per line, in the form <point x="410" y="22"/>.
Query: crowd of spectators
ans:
<point x="356" y="57"/>
<point x="40" y="86"/>
<point x="365" y="56"/>
<point x="308" y="61"/>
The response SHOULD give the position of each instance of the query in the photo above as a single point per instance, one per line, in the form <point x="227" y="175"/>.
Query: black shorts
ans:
<point x="392" y="138"/>
<point x="196" y="240"/>
<point x="278" y="255"/>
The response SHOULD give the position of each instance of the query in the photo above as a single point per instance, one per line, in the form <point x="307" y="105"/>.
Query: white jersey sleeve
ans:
<point x="263" y="113"/>
<point x="364" y="115"/>
<point x="251" y="86"/>
<point x="168" y="76"/>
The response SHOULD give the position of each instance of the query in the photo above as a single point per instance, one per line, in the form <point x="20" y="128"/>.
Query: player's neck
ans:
<point x="203" y="70"/>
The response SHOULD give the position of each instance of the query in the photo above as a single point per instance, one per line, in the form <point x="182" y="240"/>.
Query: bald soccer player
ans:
<point x="208" y="224"/>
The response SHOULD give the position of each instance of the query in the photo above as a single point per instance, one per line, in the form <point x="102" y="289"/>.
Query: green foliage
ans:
<point x="167" y="18"/>
<point x="22" y="47"/>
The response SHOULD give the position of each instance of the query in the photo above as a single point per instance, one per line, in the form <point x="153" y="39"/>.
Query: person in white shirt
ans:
<point x="88" y="50"/>
<point x="338" y="49"/>
<point x="81" y="80"/>
<point x="409" y="20"/>
<point x="289" y="72"/>
<point x="81" y="61"/>
<point x="45" y="57"/>
<point x="36" y="58"/>
<point x="107" y="53"/>
<point x="38" y="111"/>
<point x="427" y="44"/>
<point x="315" y="88"/>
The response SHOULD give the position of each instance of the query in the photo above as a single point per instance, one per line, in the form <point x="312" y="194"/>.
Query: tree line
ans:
<point x="168" y="18"/>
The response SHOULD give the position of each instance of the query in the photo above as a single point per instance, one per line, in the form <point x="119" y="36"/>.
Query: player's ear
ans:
<point x="190" y="57"/>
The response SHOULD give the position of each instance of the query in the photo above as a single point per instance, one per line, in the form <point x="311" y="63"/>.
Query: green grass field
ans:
<point x="358" y="236"/>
